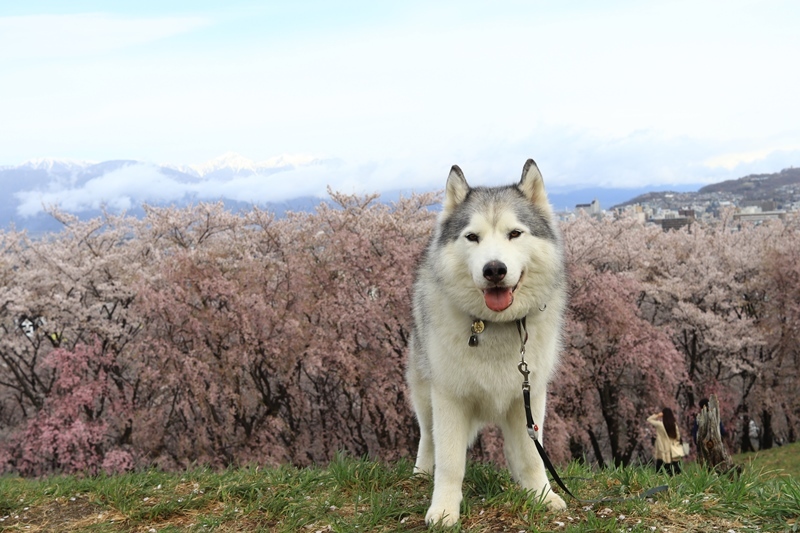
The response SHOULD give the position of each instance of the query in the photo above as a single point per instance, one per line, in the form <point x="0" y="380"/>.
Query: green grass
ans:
<point x="783" y="461"/>
<point x="351" y="495"/>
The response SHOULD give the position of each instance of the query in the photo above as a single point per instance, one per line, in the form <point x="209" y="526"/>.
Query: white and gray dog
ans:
<point x="494" y="259"/>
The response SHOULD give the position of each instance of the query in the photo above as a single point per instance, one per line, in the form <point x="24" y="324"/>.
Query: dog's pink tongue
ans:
<point x="498" y="298"/>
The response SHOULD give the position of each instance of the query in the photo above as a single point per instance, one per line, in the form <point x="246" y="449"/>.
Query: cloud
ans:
<point x="59" y="36"/>
<point x="569" y="160"/>
<point x="406" y="95"/>
<point x="130" y="186"/>
<point x="761" y="162"/>
<point x="118" y="190"/>
<point x="735" y="160"/>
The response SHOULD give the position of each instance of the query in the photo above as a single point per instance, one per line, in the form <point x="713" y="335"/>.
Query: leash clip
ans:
<point x="523" y="369"/>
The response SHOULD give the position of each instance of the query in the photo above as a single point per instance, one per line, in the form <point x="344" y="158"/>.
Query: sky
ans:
<point x="615" y="93"/>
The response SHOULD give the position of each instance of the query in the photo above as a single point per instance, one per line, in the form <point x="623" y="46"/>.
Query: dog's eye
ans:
<point x="514" y="234"/>
<point x="471" y="237"/>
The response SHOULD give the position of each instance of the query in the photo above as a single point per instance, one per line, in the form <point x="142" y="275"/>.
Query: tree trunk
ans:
<point x="596" y="447"/>
<point x="711" y="452"/>
<point x="767" y="437"/>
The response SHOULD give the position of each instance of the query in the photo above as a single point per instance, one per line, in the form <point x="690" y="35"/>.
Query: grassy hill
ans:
<point x="360" y="495"/>
<point x="777" y="462"/>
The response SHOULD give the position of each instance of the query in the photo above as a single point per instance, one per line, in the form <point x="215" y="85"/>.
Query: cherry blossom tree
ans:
<point x="65" y="320"/>
<point x="708" y="285"/>
<point x="776" y="303"/>
<point x="200" y="336"/>
<point x="621" y="368"/>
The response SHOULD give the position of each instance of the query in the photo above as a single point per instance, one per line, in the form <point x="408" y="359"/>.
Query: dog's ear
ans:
<point x="456" y="189"/>
<point x="532" y="184"/>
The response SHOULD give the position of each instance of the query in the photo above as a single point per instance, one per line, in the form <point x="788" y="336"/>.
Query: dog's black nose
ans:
<point x="494" y="271"/>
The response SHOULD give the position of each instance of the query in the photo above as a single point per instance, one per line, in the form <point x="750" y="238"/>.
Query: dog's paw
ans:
<point x="554" y="502"/>
<point x="441" y="516"/>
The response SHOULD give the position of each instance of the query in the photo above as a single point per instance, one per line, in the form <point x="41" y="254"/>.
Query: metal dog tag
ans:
<point x="477" y="327"/>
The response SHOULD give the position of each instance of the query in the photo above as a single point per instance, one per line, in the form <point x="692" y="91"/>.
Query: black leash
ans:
<point x="533" y="429"/>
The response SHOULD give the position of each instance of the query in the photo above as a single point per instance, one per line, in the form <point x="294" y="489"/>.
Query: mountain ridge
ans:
<point x="86" y="188"/>
<point x="781" y="188"/>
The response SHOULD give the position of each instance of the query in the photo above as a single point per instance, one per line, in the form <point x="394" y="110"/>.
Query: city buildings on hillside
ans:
<point x="675" y="210"/>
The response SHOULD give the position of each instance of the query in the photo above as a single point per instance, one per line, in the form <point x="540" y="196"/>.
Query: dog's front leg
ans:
<point x="451" y="427"/>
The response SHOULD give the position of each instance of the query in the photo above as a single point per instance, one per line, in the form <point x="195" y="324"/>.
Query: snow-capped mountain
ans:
<point x="281" y="183"/>
<point x="84" y="187"/>
<point x="56" y="166"/>
<point x="231" y="164"/>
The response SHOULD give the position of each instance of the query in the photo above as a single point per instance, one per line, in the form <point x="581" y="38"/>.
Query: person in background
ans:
<point x="754" y="435"/>
<point x="667" y="434"/>
<point x="722" y="432"/>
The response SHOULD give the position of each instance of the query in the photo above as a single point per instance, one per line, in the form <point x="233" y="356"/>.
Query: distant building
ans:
<point x="670" y="219"/>
<point x="590" y="209"/>
<point x="634" y="211"/>
<point x="673" y="222"/>
<point x="759" y="216"/>
<point x="762" y="205"/>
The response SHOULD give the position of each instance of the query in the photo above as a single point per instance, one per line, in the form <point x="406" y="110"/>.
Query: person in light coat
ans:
<point x="668" y="442"/>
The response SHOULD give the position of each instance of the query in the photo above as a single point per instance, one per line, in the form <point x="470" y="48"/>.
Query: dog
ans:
<point x="494" y="259"/>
